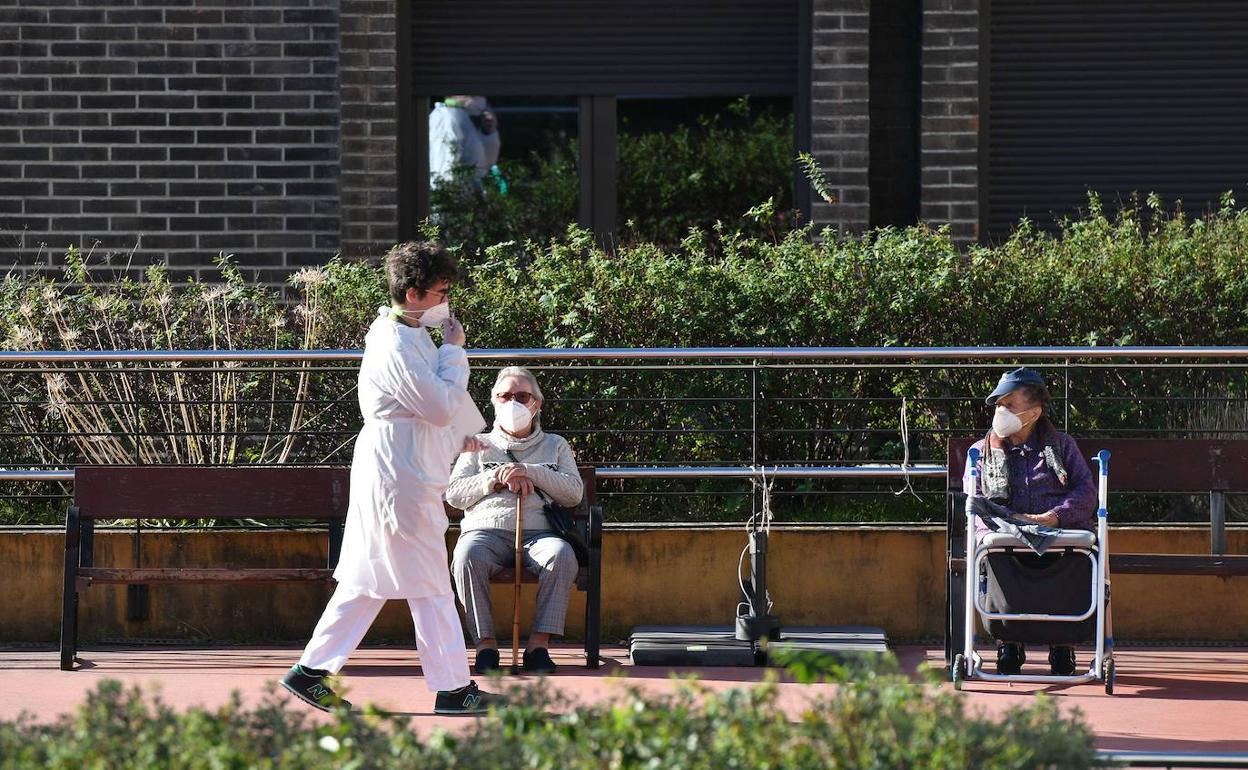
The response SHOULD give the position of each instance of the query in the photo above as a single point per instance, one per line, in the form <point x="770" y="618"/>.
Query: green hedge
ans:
<point x="1143" y="277"/>
<point x="872" y="720"/>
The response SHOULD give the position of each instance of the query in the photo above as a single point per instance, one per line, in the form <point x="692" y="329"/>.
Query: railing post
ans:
<point x="1066" y="399"/>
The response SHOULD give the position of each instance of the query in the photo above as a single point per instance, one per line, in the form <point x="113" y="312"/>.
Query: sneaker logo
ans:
<point x="471" y="700"/>
<point x="319" y="691"/>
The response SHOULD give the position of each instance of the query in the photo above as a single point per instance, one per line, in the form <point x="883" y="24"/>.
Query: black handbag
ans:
<point x="560" y="520"/>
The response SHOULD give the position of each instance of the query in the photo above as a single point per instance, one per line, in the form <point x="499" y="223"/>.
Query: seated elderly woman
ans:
<point x="517" y="459"/>
<point x="1037" y="472"/>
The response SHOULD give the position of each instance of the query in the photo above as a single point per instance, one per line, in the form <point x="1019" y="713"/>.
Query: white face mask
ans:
<point x="430" y="318"/>
<point x="1005" y="423"/>
<point x="512" y="416"/>
<point x="435" y="315"/>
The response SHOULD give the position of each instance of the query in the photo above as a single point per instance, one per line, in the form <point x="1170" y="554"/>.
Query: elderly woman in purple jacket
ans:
<point x="1035" y="470"/>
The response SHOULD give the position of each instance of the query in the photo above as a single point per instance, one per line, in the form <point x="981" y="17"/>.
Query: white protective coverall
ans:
<point x="394" y="544"/>
<point x="454" y="140"/>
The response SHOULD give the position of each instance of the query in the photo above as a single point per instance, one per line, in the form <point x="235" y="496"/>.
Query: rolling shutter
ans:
<point x="602" y="47"/>
<point x="1115" y="96"/>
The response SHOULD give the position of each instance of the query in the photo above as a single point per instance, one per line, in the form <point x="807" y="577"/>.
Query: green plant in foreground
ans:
<point x="874" y="718"/>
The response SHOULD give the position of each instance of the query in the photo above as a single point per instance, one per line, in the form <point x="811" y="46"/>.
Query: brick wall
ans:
<point x="839" y="108"/>
<point x="950" y="116"/>
<point x="187" y="127"/>
<point x="368" y="86"/>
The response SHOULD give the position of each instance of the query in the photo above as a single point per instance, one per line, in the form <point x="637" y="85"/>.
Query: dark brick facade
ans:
<point x="173" y="129"/>
<point x="368" y="89"/>
<point x="840" y="120"/>
<point x="950" y="116"/>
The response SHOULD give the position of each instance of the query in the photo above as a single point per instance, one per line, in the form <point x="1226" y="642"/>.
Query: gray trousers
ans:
<point x="482" y="553"/>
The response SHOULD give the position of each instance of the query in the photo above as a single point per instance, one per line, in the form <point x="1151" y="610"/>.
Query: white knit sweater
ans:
<point x="548" y="462"/>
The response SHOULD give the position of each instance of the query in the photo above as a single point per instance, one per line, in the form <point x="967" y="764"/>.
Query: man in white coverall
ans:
<point x="394" y="543"/>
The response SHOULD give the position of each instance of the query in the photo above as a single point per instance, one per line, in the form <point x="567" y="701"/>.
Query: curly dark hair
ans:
<point x="418" y="265"/>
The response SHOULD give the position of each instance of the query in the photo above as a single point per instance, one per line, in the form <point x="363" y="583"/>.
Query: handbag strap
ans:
<point x="536" y="488"/>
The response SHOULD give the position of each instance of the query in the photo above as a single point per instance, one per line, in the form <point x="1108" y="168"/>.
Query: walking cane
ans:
<point x="515" y="612"/>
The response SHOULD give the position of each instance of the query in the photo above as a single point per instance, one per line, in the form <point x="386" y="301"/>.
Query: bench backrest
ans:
<point x="1148" y="465"/>
<point x="197" y="492"/>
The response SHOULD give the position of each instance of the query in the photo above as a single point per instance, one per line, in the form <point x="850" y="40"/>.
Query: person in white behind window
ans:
<point x="455" y="141"/>
<point x="394" y="543"/>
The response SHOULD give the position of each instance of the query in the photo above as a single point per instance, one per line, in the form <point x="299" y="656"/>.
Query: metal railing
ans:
<point x="1172" y="759"/>
<point x="695" y="421"/>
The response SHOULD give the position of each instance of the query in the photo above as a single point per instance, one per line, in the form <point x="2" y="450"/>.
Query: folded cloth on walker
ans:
<point x="1038" y="537"/>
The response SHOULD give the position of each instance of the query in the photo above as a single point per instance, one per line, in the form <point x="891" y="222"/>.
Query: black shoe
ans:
<point x="1010" y="658"/>
<point x="487" y="662"/>
<point x="537" y="661"/>
<point x="468" y="699"/>
<point x="1062" y="661"/>
<point x="308" y="685"/>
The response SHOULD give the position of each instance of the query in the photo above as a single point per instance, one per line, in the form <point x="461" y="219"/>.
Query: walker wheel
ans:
<point x="958" y="671"/>
<point x="1108" y="674"/>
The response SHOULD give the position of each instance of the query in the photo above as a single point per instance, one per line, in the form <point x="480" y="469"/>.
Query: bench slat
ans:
<point x="1161" y="564"/>
<point x="1177" y="564"/>
<point x="201" y="574"/>
<point x="177" y="492"/>
<point x="1148" y="465"/>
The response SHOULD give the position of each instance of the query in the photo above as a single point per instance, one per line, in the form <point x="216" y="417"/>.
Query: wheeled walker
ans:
<point x="1094" y="546"/>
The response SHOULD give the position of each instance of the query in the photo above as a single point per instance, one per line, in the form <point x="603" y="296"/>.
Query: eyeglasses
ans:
<point x="445" y="293"/>
<point x="521" y="397"/>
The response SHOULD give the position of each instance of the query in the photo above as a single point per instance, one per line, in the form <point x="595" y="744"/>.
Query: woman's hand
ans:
<point x="473" y="444"/>
<point x="1048" y="519"/>
<point x="521" y="486"/>
<point x="506" y="473"/>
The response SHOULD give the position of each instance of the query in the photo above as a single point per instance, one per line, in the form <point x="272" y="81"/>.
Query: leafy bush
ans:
<point x="1144" y="277"/>
<point x="872" y="720"/>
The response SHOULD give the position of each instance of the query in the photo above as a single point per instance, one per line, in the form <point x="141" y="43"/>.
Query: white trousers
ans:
<point x="439" y="636"/>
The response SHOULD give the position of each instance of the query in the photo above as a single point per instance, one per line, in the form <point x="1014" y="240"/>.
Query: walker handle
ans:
<point x="972" y="462"/>
<point x="1102" y="462"/>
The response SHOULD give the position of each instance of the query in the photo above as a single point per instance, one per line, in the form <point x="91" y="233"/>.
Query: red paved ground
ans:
<point x="1174" y="699"/>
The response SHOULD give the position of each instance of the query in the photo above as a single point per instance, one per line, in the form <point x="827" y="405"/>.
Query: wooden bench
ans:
<point x="587" y="517"/>
<point x="1187" y="466"/>
<point x="314" y="494"/>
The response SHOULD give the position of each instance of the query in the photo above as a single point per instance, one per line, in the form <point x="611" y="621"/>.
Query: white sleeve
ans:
<point x="431" y="396"/>
<point x="468" y="482"/>
<point x="564" y="485"/>
<point x="444" y="144"/>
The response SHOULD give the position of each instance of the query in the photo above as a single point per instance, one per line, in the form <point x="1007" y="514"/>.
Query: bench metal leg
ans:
<point x="593" y="610"/>
<point x="69" y="590"/>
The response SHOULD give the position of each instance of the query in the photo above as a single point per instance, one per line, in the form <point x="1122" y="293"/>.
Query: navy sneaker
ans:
<point x="468" y="699"/>
<point x="308" y="685"/>
<point x="537" y="661"/>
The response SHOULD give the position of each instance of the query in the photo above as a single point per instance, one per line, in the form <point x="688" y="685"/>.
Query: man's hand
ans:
<point x="1046" y="519"/>
<point x="453" y="332"/>
<point x="473" y="444"/>
<point x="521" y="486"/>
